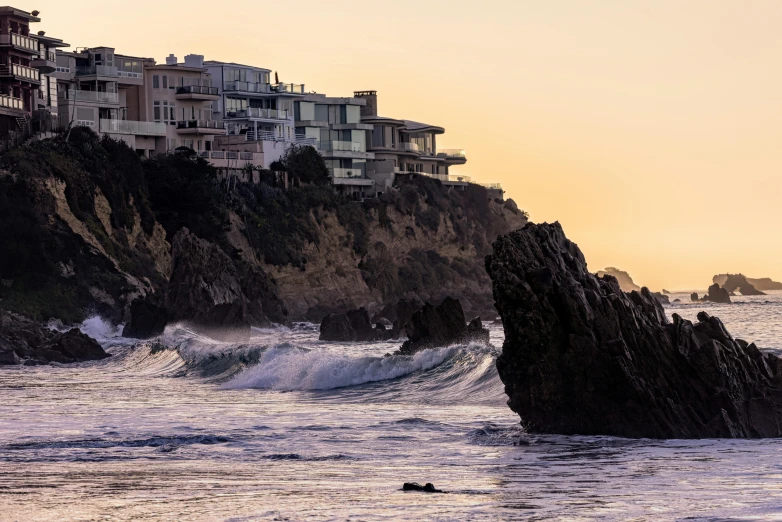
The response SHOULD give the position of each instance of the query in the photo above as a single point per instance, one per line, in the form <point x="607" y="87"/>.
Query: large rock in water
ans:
<point x="434" y="326"/>
<point x="148" y="318"/>
<point x="736" y="282"/>
<point x="582" y="357"/>
<point x="717" y="294"/>
<point x="25" y="341"/>
<point x="353" y="326"/>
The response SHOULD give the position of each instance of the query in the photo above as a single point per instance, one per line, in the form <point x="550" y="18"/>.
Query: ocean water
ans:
<point x="289" y="428"/>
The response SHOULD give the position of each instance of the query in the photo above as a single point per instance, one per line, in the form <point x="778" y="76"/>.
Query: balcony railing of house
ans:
<point x="143" y="128"/>
<point x="495" y="186"/>
<point x="291" y="88"/>
<point x="413" y="147"/>
<point x="228" y="155"/>
<point x="17" y="40"/>
<point x="10" y="102"/>
<point x="197" y="89"/>
<point x="97" y="70"/>
<point x="347" y="173"/>
<point x="93" y="96"/>
<point x="129" y="74"/>
<point x="271" y="136"/>
<point x="21" y="71"/>
<point x="341" y="146"/>
<point x="451" y="153"/>
<point x="200" y="124"/>
<point x="48" y="55"/>
<point x="248" y="87"/>
<point x="253" y="112"/>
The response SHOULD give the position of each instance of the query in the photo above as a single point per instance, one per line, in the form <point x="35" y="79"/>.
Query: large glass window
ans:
<point x="353" y="114"/>
<point x="156" y="111"/>
<point x="377" y="135"/>
<point x="156" y="81"/>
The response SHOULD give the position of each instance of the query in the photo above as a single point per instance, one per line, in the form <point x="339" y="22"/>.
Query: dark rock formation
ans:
<point x="27" y="342"/>
<point x="148" y="318"/>
<point x="736" y="282"/>
<point x="626" y="282"/>
<point x="264" y="306"/>
<point x="717" y="295"/>
<point x="694" y="297"/>
<point x="434" y="326"/>
<point x="399" y="314"/>
<point x="415" y="486"/>
<point x="582" y="357"/>
<point x="662" y="298"/>
<point x="765" y="284"/>
<point x="353" y="326"/>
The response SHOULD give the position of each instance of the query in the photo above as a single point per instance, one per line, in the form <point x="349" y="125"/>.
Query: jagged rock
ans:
<point x="626" y="282"/>
<point x="582" y="357"/>
<point x="353" y="326"/>
<point x="694" y="297"/>
<point x="264" y="306"/>
<point x="666" y="292"/>
<point x="148" y="318"/>
<point x="28" y="342"/>
<point x="434" y="326"/>
<point x="662" y="298"/>
<point x="733" y="282"/>
<point x="205" y="291"/>
<point x="717" y="294"/>
<point x="399" y="313"/>
<point x="415" y="486"/>
<point x="476" y="332"/>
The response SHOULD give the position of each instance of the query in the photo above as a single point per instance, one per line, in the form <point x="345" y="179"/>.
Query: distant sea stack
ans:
<point x="765" y="284"/>
<point x="626" y="282"/>
<point x="736" y="282"/>
<point x="583" y="357"/>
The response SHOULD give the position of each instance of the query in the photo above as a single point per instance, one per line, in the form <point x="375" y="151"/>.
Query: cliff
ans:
<point x="765" y="284"/>
<point x="86" y="227"/>
<point x="626" y="282"/>
<point x="583" y="357"/>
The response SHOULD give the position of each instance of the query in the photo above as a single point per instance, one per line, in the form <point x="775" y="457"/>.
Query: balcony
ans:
<point x="264" y="114"/>
<point x="289" y="88"/>
<point x="93" y="96"/>
<point x="200" y="127"/>
<point x="44" y="65"/>
<point x="11" y="103"/>
<point x="234" y="86"/>
<point x="197" y="92"/>
<point x="347" y="173"/>
<point x="271" y="136"/>
<point x="97" y="70"/>
<point x="130" y="74"/>
<point x="453" y="156"/>
<point x="138" y="128"/>
<point x="409" y="147"/>
<point x="20" y="72"/>
<point x="20" y="42"/>
<point x="232" y="159"/>
<point x="340" y="146"/>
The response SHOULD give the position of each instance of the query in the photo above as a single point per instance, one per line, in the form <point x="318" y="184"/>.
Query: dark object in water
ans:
<point x="415" y="486"/>
<point x="434" y="326"/>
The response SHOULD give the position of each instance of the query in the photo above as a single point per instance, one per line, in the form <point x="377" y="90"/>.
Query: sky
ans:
<point x="651" y="130"/>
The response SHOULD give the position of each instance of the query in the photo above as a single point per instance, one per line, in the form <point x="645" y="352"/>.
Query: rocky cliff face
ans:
<point x="582" y="357"/>
<point x="626" y="282"/>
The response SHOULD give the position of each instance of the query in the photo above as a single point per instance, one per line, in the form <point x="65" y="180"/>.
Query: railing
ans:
<point x="409" y="146"/>
<point x="17" y="40"/>
<point x="271" y="136"/>
<point x="228" y="155"/>
<point x="253" y="112"/>
<point x="145" y="128"/>
<point x="93" y="96"/>
<point x="20" y="70"/>
<point x="292" y="88"/>
<point x="200" y="124"/>
<point x="495" y="186"/>
<point x="128" y="74"/>
<point x="85" y="123"/>
<point x="247" y="87"/>
<point x="47" y="55"/>
<point x="10" y="102"/>
<point x="451" y="153"/>
<point x="197" y="89"/>
<point x="340" y="146"/>
<point x="97" y="70"/>
<point x="347" y="173"/>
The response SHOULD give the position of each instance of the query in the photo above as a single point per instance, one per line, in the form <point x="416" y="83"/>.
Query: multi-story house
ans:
<point x="405" y="146"/>
<point x="335" y="126"/>
<point x="45" y="115"/>
<point x="258" y="113"/>
<point x="23" y="57"/>
<point x="180" y="97"/>
<point x="100" y="89"/>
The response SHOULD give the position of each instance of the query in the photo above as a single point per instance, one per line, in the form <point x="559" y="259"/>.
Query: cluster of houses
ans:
<point x="230" y="114"/>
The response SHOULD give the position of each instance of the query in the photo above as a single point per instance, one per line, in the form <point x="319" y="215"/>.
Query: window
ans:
<point x="156" y="111"/>
<point x="156" y="82"/>
<point x="165" y="82"/>
<point x="172" y="113"/>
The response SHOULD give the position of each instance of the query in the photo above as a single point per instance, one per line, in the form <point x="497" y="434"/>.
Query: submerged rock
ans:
<point x="30" y="343"/>
<point x="415" y="486"/>
<point x="442" y="325"/>
<point x="582" y="357"/>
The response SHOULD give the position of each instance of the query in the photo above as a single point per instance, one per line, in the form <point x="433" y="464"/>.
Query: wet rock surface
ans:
<point x="148" y="318"/>
<point x="23" y="341"/>
<point x="582" y="357"/>
<point x="353" y="326"/>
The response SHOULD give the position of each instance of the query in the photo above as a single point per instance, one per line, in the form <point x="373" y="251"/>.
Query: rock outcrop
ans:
<point x="441" y="325"/>
<point x="148" y="318"/>
<point x="353" y="326"/>
<point x="583" y="357"/>
<point x="736" y="282"/>
<point x="717" y="294"/>
<point x="626" y="282"/>
<point x="23" y="341"/>
<point x="765" y="284"/>
<point x="662" y="298"/>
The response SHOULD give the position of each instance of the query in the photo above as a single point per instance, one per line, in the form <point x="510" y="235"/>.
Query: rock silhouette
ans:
<point x="582" y="357"/>
<point x="441" y="325"/>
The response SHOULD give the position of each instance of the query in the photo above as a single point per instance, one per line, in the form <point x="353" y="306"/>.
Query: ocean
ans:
<point x="290" y="428"/>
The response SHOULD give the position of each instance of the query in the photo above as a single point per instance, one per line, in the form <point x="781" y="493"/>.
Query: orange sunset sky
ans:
<point x="652" y="130"/>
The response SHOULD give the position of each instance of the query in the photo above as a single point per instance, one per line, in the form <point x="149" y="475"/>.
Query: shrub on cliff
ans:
<point x="305" y="165"/>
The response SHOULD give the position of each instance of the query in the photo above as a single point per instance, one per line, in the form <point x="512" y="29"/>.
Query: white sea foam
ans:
<point x="286" y="368"/>
<point x="100" y="329"/>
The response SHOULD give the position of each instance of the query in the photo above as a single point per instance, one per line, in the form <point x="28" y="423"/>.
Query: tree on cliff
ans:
<point x="304" y="164"/>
